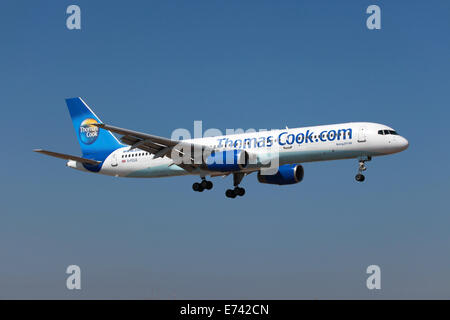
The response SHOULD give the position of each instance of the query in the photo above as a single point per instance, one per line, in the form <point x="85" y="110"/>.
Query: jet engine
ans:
<point x="287" y="174"/>
<point x="225" y="161"/>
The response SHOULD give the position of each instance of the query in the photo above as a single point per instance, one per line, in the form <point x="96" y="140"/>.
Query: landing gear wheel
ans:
<point x="230" y="193"/>
<point x="239" y="191"/>
<point x="204" y="185"/>
<point x="196" y="186"/>
<point x="362" y="167"/>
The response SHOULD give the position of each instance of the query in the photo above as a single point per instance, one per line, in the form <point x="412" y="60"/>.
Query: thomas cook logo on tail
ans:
<point x="88" y="133"/>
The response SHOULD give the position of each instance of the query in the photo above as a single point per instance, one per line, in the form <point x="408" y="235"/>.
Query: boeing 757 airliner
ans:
<point x="142" y="155"/>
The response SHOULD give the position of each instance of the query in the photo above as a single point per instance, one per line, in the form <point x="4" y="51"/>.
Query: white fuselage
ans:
<point x="297" y="145"/>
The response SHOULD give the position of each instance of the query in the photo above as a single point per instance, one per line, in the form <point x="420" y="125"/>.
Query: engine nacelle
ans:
<point x="230" y="160"/>
<point x="287" y="174"/>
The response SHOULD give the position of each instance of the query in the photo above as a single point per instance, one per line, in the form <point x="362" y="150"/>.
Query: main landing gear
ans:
<point x="237" y="191"/>
<point x="205" y="184"/>
<point x="360" y="177"/>
<point x="230" y="193"/>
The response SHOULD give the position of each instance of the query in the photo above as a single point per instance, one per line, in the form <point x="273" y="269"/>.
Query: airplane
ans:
<point x="142" y="155"/>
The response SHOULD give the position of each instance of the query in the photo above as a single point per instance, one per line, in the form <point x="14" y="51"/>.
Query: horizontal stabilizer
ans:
<point x="68" y="157"/>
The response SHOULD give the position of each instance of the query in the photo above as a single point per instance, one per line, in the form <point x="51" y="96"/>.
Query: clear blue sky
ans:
<point x="154" y="66"/>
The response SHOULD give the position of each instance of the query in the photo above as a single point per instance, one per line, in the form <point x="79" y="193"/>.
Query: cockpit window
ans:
<point x="385" y="132"/>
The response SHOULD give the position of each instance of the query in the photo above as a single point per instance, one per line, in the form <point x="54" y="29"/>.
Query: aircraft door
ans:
<point x="114" y="160"/>
<point x="362" y="134"/>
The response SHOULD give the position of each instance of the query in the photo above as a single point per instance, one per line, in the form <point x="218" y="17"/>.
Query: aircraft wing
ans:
<point x="67" y="157"/>
<point x="159" y="146"/>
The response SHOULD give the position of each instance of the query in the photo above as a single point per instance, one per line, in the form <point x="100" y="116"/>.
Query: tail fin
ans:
<point x="95" y="143"/>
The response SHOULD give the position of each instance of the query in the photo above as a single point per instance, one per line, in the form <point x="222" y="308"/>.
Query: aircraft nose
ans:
<point x="404" y="144"/>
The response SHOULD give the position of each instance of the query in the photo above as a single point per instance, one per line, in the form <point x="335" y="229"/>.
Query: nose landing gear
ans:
<point x="360" y="177"/>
